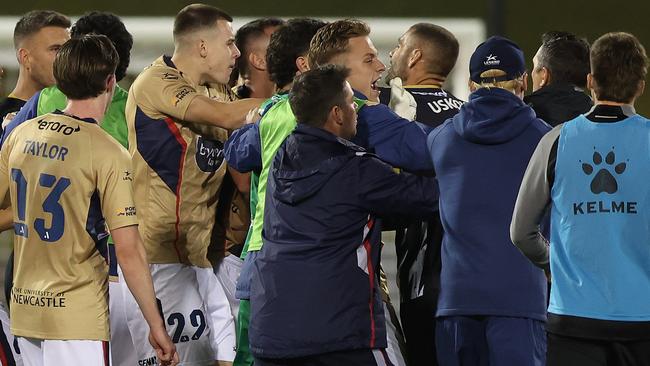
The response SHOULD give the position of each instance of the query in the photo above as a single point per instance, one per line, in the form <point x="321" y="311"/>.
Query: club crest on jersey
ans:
<point x="209" y="154"/>
<point x="491" y="60"/>
<point x="127" y="176"/>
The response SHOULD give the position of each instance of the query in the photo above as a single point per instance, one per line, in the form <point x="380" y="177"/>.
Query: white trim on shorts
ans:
<point x="39" y="352"/>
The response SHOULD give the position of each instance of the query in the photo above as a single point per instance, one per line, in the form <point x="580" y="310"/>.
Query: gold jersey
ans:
<point x="178" y="166"/>
<point x="68" y="181"/>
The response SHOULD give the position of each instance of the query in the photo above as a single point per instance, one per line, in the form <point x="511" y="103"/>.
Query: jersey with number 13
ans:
<point x="69" y="182"/>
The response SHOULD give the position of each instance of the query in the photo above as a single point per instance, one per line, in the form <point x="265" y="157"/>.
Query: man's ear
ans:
<point x="524" y="84"/>
<point x="302" y="63"/>
<point x="414" y="57"/>
<point x="590" y="82"/>
<point x="546" y="77"/>
<point x="257" y="61"/>
<point x="471" y="86"/>
<point x="23" y="57"/>
<point x="641" y="88"/>
<point x="590" y="85"/>
<point x="110" y="82"/>
<point x="203" y="48"/>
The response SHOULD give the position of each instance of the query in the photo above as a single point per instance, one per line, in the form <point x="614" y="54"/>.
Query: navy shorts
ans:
<point x="490" y="340"/>
<point x="361" y="357"/>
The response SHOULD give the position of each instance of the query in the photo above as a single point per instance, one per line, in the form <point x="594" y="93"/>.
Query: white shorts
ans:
<point x="9" y="350"/>
<point x="228" y="274"/>
<point x="39" y="352"/>
<point x="222" y="323"/>
<point x="183" y="312"/>
<point x="121" y="345"/>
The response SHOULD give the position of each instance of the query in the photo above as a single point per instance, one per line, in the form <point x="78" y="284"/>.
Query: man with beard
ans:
<point x="421" y="61"/>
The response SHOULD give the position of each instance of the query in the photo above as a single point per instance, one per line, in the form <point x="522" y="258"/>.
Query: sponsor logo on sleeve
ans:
<point x="181" y="94"/>
<point x="127" y="211"/>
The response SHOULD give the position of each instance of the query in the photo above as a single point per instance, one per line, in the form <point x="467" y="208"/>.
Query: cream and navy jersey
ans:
<point x="434" y="105"/>
<point x="178" y="166"/>
<point x="69" y="183"/>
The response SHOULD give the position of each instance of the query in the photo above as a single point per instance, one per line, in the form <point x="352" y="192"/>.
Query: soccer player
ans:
<point x="114" y="123"/>
<point x="325" y="306"/>
<point x="177" y="154"/>
<point x="421" y="61"/>
<point x="491" y="307"/>
<point x="38" y="35"/>
<point x="68" y="183"/>
<point x="592" y="172"/>
<point x="252" y="39"/>
<point x="286" y="57"/>
<point x="345" y="42"/>
<point x="560" y="69"/>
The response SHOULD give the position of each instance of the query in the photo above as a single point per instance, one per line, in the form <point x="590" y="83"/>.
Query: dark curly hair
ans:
<point x="287" y="44"/>
<point x="111" y="26"/>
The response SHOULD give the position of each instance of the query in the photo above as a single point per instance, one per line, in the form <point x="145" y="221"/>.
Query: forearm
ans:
<point x="228" y="115"/>
<point x="132" y="260"/>
<point x="6" y="219"/>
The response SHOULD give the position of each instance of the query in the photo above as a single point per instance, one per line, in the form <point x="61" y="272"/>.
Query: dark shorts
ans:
<point x="490" y="341"/>
<point x="568" y="351"/>
<point x="364" y="357"/>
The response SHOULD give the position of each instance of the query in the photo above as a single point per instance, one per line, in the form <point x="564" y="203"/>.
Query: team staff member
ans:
<point x="491" y="307"/>
<point x="592" y="171"/>
<point x="286" y="57"/>
<point x="38" y="35"/>
<point x="319" y="269"/>
<point x="69" y="183"/>
<point x="177" y="154"/>
<point x="560" y="69"/>
<point x="421" y="61"/>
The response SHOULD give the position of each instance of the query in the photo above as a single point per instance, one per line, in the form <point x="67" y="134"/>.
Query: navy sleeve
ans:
<point x="243" y="150"/>
<point x="396" y="140"/>
<point x="27" y="112"/>
<point x="384" y="192"/>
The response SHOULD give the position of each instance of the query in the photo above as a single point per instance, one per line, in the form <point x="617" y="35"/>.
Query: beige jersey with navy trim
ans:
<point x="178" y="166"/>
<point x="69" y="182"/>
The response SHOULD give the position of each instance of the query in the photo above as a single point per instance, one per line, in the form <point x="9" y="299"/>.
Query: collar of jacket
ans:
<point x="304" y="129"/>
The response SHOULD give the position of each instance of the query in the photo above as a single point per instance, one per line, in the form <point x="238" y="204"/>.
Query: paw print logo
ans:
<point x="604" y="180"/>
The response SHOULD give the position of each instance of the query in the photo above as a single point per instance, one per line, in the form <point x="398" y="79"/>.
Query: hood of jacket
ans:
<point x="492" y="116"/>
<point x="306" y="161"/>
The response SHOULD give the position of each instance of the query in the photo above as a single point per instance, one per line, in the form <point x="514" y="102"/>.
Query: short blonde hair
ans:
<point x="509" y="85"/>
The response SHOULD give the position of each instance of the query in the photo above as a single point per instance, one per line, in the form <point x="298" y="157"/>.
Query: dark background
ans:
<point x="523" y="21"/>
